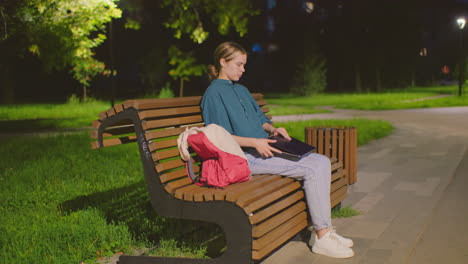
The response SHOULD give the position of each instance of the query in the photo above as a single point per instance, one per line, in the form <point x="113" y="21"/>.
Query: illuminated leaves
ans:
<point x="186" y="17"/>
<point x="64" y="33"/>
<point x="184" y="64"/>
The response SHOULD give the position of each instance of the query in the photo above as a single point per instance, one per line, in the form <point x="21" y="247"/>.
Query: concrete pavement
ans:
<point x="411" y="190"/>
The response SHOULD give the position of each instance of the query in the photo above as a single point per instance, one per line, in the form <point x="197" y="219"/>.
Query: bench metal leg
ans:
<point x="161" y="260"/>
<point x="235" y="225"/>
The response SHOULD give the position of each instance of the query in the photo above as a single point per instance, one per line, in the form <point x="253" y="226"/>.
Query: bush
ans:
<point x="73" y="99"/>
<point x="310" y="77"/>
<point x="166" y="91"/>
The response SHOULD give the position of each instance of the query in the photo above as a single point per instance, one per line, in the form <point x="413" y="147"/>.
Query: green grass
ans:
<point x="61" y="202"/>
<point x="390" y="100"/>
<point x="344" y="212"/>
<point x="47" y="116"/>
<point x="367" y="130"/>
<point x="294" y="110"/>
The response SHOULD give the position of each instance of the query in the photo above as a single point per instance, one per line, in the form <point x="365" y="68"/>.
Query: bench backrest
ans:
<point x="162" y="121"/>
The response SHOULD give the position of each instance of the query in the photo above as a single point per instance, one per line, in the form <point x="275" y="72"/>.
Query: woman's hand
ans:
<point x="263" y="147"/>
<point x="281" y="131"/>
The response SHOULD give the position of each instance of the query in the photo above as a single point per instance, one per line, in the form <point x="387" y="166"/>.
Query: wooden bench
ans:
<point x="257" y="216"/>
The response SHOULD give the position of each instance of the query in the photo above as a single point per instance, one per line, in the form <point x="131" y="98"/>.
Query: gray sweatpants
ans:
<point x="315" y="172"/>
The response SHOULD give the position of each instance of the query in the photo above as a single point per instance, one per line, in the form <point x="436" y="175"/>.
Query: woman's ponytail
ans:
<point x="212" y="72"/>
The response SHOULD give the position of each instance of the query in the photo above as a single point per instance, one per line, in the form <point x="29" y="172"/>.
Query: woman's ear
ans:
<point x="222" y="61"/>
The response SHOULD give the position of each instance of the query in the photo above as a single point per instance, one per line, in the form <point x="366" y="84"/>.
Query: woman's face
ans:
<point x="232" y="70"/>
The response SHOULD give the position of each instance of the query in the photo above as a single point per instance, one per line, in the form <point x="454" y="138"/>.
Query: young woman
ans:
<point x="231" y="106"/>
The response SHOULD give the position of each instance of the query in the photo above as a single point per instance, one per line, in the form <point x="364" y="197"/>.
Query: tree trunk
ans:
<point x="357" y="77"/>
<point x="181" y="88"/>
<point x="85" y="96"/>
<point x="7" y="90"/>
<point x="378" y="80"/>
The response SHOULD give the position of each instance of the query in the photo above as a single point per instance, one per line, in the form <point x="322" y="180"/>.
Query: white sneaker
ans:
<point x="343" y="241"/>
<point x="330" y="246"/>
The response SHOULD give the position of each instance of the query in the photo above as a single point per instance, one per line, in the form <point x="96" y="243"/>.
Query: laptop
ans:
<point x="292" y="149"/>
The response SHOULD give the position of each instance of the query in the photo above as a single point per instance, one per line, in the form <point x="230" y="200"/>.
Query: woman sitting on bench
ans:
<point x="231" y="106"/>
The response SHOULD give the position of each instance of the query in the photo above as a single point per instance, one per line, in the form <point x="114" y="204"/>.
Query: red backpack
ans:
<point x="219" y="168"/>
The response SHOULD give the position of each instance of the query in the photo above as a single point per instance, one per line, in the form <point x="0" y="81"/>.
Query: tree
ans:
<point x="184" y="67"/>
<point x="62" y="33"/>
<point x="187" y="17"/>
<point x="310" y="76"/>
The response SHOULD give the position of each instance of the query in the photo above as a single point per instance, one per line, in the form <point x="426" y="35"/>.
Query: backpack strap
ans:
<point x="190" y="171"/>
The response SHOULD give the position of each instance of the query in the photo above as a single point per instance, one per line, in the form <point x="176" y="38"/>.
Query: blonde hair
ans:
<point x="226" y="51"/>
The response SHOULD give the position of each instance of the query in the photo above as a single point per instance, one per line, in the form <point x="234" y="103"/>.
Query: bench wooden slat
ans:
<point x="110" y="112"/>
<point x="171" y="164"/>
<point x="278" y="231"/>
<point x="191" y="110"/>
<point x="327" y="142"/>
<point x="272" y="197"/>
<point x="352" y="172"/>
<point x="142" y="104"/>
<point x="198" y="195"/>
<point x="256" y="255"/>
<point x="257" y="96"/>
<point x="334" y="143"/>
<point x="261" y="102"/>
<point x="265" y="109"/>
<point x="168" y="132"/>
<point x="114" y="131"/>
<point x="337" y="184"/>
<point x="221" y="195"/>
<point x="163" y="144"/>
<point x="337" y="194"/>
<point x="320" y="142"/>
<point x="183" y="194"/>
<point x="233" y="194"/>
<point x="173" y="186"/>
<point x="275" y="221"/>
<point x="165" y="154"/>
<point x="114" y="141"/>
<point x="336" y="165"/>
<point x="275" y="208"/>
<point x="96" y="124"/>
<point x="168" y="122"/>
<point x="210" y="196"/>
<point x="102" y="115"/>
<point x="336" y="200"/>
<point x="253" y="195"/>
<point x="169" y="176"/>
<point x="118" y="108"/>
<point x="347" y="145"/>
<point x="341" y="144"/>
<point x="341" y="173"/>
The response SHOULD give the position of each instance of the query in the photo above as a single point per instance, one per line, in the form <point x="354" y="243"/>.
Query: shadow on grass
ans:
<point x="38" y="125"/>
<point x="130" y="205"/>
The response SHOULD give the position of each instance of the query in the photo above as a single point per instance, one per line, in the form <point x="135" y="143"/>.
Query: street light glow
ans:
<point x="309" y="6"/>
<point x="461" y="22"/>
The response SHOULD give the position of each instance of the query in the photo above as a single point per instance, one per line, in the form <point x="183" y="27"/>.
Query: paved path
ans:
<point x="411" y="190"/>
